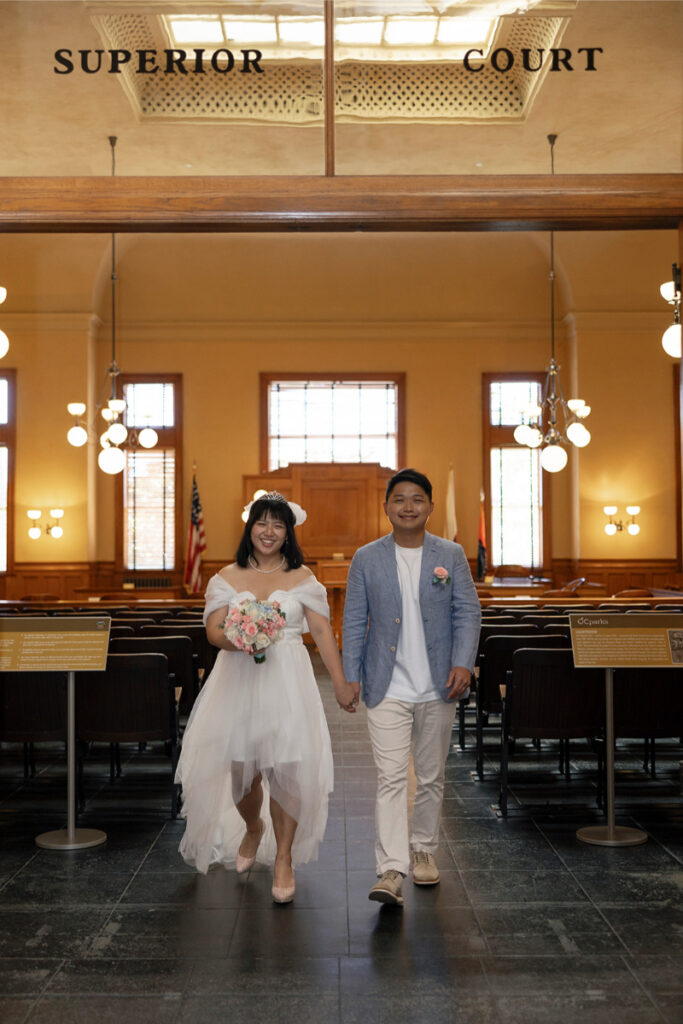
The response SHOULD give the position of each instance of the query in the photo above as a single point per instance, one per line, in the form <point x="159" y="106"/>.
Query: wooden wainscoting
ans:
<point x="63" y="579"/>
<point x="620" y="574"/>
<point x="75" y="580"/>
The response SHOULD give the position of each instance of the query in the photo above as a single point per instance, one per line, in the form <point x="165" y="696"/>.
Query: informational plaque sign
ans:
<point x="618" y="640"/>
<point x="614" y="641"/>
<point x="54" y="643"/>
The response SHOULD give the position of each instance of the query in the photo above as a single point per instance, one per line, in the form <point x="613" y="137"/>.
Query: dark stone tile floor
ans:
<point x="528" y="923"/>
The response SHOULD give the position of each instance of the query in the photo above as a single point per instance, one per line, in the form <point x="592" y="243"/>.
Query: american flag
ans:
<point x="196" y="544"/>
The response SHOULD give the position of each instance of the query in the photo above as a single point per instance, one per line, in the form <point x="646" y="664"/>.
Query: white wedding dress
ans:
<point x="251" y="718"/>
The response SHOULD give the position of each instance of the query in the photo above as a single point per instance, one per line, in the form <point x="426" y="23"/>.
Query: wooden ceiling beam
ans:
<point x="359" y="203"/>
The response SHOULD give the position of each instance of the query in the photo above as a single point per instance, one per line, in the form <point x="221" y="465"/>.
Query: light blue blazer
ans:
<point x="451" y="614"/>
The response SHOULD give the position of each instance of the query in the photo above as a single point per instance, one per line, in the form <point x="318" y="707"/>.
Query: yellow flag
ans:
<point x="450" y="526"/>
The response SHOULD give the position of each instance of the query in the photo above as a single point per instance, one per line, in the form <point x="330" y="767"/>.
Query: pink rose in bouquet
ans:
<point x="252" y="625"/>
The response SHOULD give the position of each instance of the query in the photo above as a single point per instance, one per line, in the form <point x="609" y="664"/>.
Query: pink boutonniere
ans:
<point x="440" y="575"/>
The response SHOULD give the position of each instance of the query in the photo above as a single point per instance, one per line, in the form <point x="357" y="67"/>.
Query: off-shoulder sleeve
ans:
<point x="218" y="594"/>
<point x="314" y="596"/>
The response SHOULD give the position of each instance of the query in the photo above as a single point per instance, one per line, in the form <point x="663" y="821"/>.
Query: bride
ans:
<point x="256" y="760"/>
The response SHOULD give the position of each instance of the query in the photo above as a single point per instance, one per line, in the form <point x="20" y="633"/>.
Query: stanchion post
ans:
<point x="610" y="834"/>
<point x="71" y="838"/>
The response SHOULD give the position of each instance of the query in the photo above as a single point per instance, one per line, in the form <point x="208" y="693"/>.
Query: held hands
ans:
<point x="348" y="695"/>
<point x="458" y="682"/>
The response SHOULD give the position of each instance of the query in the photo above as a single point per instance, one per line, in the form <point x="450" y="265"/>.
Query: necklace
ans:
<point x="265" y="572"/>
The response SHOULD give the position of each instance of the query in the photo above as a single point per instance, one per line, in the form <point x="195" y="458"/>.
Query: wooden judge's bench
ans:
<point x="343" y="502"/>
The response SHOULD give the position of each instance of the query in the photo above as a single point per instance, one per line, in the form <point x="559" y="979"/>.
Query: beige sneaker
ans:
<point x="425" y="871"/>
<point x="388" y="889"/>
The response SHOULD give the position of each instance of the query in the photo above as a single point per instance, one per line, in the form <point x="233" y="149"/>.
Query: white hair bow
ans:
<point x="297" y="511"/>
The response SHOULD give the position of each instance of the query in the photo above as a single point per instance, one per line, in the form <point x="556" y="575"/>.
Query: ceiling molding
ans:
<point x="529" y="202"/>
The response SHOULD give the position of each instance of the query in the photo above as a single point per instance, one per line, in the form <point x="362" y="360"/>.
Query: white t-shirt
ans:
<point x="411" y="679"/>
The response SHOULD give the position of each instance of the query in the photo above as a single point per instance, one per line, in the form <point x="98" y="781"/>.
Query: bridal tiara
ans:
<point x="297" y="511"/>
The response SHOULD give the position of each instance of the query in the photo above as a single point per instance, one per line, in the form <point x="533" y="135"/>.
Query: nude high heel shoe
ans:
<point x="243" y="864"/>
<point x="283" y="894"/>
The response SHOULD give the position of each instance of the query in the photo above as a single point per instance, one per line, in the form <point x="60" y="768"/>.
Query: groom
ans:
<point x="411" y="628"/>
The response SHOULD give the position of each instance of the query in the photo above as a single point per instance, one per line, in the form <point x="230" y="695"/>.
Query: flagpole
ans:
<point x="481" y="542"/>
<point x="196" y="541"/>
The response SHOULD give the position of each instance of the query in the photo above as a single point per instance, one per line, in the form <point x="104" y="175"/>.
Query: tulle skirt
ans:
<point x="251" y="718"/>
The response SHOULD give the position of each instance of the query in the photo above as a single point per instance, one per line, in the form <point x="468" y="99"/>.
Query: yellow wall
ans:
<point x="50" y="357"/>
<point x="631" y="459"/>
<point x="443" y="309"/>
<point x="443" y="409"/>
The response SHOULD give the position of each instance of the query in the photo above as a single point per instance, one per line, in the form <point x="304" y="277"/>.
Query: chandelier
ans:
<point x="4" y="340"/>
<point x="111" y="458"/>
<point x="671" y="293"/>
<point x="557" y="422"/>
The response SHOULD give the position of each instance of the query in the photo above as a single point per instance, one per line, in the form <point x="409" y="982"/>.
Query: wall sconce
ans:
<point x="52" y="529"/>
<point x="613" y="527"/>
<point x="671" y="293"/>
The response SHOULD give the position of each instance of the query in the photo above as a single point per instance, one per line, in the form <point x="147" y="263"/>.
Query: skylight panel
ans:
<point x="250" y="30"/>
<point x="302" y="31"/>
<point x="207" y="29"/>
<point x="410" y="31"/>
<point x="360" y="31"/>
<point x="464" y="30"/>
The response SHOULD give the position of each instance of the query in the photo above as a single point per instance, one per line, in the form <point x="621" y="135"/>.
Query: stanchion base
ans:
<point x="617" y="835"/>
<point x="79" y="839"/>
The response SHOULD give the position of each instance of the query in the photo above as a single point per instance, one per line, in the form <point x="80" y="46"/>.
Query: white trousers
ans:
<point x="393" y="726"/>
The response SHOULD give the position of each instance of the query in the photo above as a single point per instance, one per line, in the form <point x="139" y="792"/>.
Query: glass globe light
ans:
<point x="633" y="529"/>
<point x="575" y="403"/>
<point x="578" y="435"/>
<point x="553" y="458"/>
<point x="56" y="513"/>
<point x="117" y="433"/>
<point x="56" y="532"/>
<point x="632" y="510"/>
<point x="75" y="408"/>
<point x="582" y="412"/>
<point x="117" y="405"/>
<point x="148" y="437"/>
<point x="4" y="344"/>
<point x="610" y="529"/>
<point x="33" y="513"/>
<point x="521" y="433"/>
<point x="610" y="510"/>
<point x="258" y="494"/>
<point x="111" y="460"/>
<point x="534" y="437"/>
<point x="671" y="341"/>
<point x="107" y="414"/>
<point x="3" y="294"/>
<point x="668" y="291"/>
<point x="104" y="439"/>
<point x="77" y="436"/>
<point x="34" y="532"/>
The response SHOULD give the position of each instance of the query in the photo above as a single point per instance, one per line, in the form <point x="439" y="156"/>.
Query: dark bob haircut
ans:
<point x="411" y="476"/>
<point x="270" y="507"/>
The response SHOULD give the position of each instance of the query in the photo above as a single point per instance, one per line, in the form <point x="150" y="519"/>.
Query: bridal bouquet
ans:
<point x="254" y="625"/>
